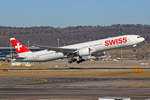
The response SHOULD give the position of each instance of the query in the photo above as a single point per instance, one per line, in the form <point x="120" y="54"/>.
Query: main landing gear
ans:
<point x="79" y="59"/>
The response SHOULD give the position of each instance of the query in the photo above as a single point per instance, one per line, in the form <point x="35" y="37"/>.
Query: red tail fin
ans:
<point x="20" y="48"/>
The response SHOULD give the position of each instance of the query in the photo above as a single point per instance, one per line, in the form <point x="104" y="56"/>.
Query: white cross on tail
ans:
<point x="18" y="46"/>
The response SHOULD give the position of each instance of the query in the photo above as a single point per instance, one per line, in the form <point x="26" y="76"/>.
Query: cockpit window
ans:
<point x="138" y="36"/>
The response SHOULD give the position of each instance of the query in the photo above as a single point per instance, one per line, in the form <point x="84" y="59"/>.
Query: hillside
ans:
<point x="69" y="35"/>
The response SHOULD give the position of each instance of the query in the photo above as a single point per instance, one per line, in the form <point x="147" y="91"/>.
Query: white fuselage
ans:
<point x="95" y="46"/>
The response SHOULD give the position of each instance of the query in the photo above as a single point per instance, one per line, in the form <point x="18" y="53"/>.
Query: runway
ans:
<point x="73" y="82"/>
<point x="73" y="87"/>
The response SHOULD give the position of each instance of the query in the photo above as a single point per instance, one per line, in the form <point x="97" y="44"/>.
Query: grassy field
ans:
<point x="60" y="73"/>
<point x="52" y="99"/>
<point x="86" y="64"/>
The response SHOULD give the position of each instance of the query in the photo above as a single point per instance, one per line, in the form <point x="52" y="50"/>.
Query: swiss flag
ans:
<point x="20" y="48"/>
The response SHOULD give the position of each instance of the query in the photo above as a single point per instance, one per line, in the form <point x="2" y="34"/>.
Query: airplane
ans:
<point x="75" y="52"/>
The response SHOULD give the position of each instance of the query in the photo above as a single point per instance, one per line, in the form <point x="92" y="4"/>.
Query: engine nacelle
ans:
<point x="84" y="52"/>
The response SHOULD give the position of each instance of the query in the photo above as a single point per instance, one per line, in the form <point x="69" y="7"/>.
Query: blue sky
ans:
<point x="63" y="13"/>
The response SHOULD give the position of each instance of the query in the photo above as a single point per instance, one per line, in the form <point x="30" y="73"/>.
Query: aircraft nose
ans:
<point x="142" y="39"/>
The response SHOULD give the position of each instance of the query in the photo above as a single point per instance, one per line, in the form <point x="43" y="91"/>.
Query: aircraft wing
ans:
<point x="59" y="49"/>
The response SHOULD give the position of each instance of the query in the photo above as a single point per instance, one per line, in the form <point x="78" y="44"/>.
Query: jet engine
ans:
<point x="84" y="52"/>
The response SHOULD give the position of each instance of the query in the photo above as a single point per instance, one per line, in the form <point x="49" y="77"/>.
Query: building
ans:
<point x="7" y="52"/>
